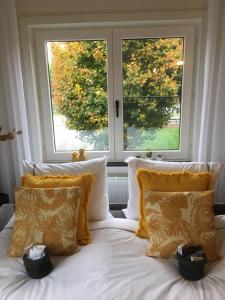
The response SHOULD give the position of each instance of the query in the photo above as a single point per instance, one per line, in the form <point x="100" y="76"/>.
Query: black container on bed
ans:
<point x="191" y="270"/>
<point x="38" y="268"/>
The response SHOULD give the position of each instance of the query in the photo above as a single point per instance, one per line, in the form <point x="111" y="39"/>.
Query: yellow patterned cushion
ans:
<point x="180" y="217"/>
<point x="167" y="182"/>
<point x="84" y="182"/>
<point x="45" y="216"/>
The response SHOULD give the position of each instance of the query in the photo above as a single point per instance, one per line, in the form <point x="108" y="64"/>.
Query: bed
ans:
<point x="113" y="266"/>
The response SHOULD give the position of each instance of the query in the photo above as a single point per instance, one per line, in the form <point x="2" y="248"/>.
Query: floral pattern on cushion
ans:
<point x="167" y="182"/>
<point x="84" y="182"/>
<point x="45" y="216"/>
<point x="180" y="217"/>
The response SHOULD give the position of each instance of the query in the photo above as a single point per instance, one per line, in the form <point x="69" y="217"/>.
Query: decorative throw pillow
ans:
<point x="45" y="216"/>
<point x="152" y="165"/>
<point x="167" y="182"/>
<point x="99" y="203"/>
<point x="84" y="182"/>
<point x="180" y="217"/>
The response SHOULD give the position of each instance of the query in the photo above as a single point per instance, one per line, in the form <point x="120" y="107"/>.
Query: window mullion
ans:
<point x="118" y="93"/>
<point x="110" y="88"/>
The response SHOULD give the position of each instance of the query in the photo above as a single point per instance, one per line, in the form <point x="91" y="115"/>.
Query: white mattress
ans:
<point x="113" y="267"/>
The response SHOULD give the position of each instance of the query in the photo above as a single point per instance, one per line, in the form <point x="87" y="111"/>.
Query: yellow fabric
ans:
<point x="45" y="216"/>
<point x="180" y="217"/>
<point x="84" y="182"/>
<point x="167" y="182"/>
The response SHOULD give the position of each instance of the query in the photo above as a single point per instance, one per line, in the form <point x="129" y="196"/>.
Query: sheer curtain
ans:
<point x="12" y="103"/>
<point x="212" y="129"/>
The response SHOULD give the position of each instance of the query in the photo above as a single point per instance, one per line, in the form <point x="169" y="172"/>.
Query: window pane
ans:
<point x="78" y="83"/>
<point x="152" y="88"/>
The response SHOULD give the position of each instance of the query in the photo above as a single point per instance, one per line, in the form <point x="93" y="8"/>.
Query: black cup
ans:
<point x="38" y="268"/>
<point x="191" y="270"/>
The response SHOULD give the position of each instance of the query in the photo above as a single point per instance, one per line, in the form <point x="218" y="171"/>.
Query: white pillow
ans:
<point x="99" y="202"/>
<point x="136" y="163"/>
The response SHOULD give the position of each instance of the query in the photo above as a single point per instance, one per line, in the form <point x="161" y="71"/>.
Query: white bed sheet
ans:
<point x="113" y="267"/>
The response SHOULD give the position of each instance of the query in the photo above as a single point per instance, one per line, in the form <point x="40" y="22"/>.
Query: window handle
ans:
<point x="117" y="108"/>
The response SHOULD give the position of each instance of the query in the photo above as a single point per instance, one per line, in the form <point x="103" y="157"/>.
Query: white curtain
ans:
<point x="212" y="129"/>
<point x="12" y="103"/>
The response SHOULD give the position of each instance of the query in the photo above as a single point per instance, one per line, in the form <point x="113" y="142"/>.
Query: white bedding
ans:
<point x="113" y="267"/>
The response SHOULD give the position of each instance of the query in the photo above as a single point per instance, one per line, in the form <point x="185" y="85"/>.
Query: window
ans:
<point x="152" y="85"/>
<point x="78" y="84"/>
<point x="119" y="92"/>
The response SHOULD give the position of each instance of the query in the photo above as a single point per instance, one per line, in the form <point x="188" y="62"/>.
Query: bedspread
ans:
<point x="114" y="266"/>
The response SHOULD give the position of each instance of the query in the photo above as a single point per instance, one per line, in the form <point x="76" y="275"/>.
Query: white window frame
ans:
<point x="156" y="32"/>
<point x="45" y="98"/>
<point x="42" y="146"/>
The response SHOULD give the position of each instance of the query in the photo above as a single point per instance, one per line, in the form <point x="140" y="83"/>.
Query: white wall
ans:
<point x="65" y="7"/>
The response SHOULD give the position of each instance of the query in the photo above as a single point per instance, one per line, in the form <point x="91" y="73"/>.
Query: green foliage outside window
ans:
<point x="152" y="82"/>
